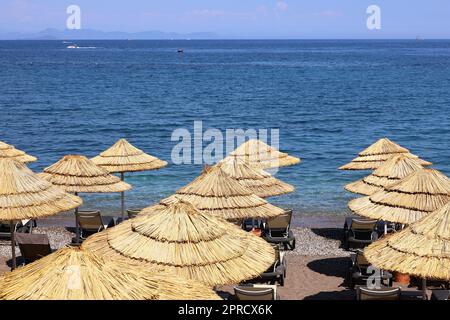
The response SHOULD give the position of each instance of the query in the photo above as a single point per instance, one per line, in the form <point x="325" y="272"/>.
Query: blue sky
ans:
<point x="237" y="18"/>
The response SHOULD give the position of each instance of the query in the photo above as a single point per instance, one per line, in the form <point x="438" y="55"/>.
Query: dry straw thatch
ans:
<point x="190" y="243"/>
<point x="78" y="174"/>
<point x="124" y="157"/>
<point x="422" y="249"/>
<point x="23" y="195"/>
<point x="216" y="193"/>
<point x="258" y="181"/>
<point x="391" y="172"/>
<point x="77" y="274"/>
<point x="407" y="201"/>
<point x="9" y="151"/>
<point x="375" y="155"/>
<point x="256" y="152"/>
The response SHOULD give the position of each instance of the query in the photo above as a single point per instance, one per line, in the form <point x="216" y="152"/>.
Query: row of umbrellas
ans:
<point x="179" y="235"/>
<point x="401" y="190"/>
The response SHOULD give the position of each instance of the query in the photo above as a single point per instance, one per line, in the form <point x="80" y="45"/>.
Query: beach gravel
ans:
<point x="57" y="236"/>
<point x="318" y="242"/>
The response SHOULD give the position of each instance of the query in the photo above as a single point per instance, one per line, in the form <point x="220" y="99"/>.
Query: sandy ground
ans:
<point x="310" y="277"/>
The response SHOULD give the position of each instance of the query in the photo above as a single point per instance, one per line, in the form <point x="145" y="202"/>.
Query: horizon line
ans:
<point x="226" y="39"/>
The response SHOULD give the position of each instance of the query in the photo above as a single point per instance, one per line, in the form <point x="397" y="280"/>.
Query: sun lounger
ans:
<point x="388" y="293"/>
<point x="358" y="272"/>
<point x="277" y="231"/>
<point x="277" y="272"/>
<point x="250" y="224"/>
<point x="360" y="233"/>
<point x="255" y="292"/>
<point x="348" y="223"/>
<point x="5" y="229"/>
<point x="382" y="226"/>
<point x="132" y="213"/>
<point x="21" y="226"/>
<point x="412" y="295"/>
<point x="440" y="294"/>
<point x="364" y="293"/>
<point x="90" y="222"/>
<point x="33" y="246"/>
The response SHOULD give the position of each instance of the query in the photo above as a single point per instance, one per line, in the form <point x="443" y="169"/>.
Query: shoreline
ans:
<point x="307" y="220"/>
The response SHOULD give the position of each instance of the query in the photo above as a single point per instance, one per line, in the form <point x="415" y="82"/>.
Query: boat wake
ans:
<point x="74" y="46"/>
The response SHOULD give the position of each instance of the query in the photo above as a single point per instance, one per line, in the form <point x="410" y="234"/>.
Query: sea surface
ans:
<point x="329" y="99"/>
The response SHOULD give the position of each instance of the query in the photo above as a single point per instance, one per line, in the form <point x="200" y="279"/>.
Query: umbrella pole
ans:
<point x="77" y="229"/>
<point x="122" y="198"/>
<point x="13" y="245"/>
<point x="424" y="288"/>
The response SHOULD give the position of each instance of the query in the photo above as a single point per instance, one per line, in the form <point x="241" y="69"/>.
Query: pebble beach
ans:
<point x="317" y="247"/>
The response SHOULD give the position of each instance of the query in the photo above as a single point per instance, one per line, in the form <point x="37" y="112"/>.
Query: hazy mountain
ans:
<point x="90" y="34"/>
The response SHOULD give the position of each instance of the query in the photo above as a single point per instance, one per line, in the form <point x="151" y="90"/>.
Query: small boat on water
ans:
<point x="180" y="50"/>
<point x="72" y="46"/>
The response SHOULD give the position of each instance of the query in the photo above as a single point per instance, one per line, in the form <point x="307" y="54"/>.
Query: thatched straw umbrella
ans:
<point x="258" y="181"/>
<point x="256" y="152"/>
<point x="216" y="193"/>
<point x="407" y="201"/>
<point x="124" y="157"/>
<point x="8" y="151"/>
<point x="422" y="249"/>
<point x="186" y="241"/>
<point x="389" y="173"/>
<point x="375" y="155"/>
<point x="23" y="195"/>
<point x="77" y="174"/>
<point x="77" y="274"/>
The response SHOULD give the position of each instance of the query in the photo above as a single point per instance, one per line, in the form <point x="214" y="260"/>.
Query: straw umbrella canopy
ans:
<point x="375" y="155"/>
<point x="9" y="151"/>
<point x="77" y="274"/>
<point x="24" y="195"/>
<point x="188" y="242"/>
<point x="422" y="249"/>
<point x="216" y="193"/>
<point x="124" y="157"/>
<point x="256" y="152"/>
<point x="77" y="174"/>
<point x="389" y="173"/>
<point x="407" y="201"/>
<point x="258" y="181"/>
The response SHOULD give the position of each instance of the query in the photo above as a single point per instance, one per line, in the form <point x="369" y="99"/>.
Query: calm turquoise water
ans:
<point x="330" y="99"/>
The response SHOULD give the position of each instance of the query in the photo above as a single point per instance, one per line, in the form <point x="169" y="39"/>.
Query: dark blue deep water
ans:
<point x="330" y="99"/>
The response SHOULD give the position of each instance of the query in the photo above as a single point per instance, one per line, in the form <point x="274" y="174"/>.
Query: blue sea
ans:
<point x="330" y="100"/>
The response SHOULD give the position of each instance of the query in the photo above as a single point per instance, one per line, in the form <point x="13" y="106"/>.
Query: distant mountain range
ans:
<point x="90" y="34"/>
